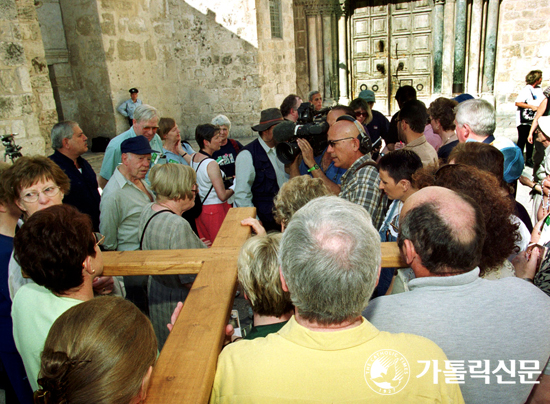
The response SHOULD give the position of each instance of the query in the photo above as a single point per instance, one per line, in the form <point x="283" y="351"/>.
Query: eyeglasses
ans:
<point x="99" y="238"/>
<point x="359" y="113"/>
<point x="32" y="196"/>
<point x="332" y="143"/>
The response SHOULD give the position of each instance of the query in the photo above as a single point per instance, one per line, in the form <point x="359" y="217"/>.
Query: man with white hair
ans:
<point x="330" y="259"/>
<point x="146" y="123"/>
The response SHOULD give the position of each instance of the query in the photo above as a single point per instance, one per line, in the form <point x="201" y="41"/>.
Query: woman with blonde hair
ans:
<point x="100" y="351"/>
<point x="161" y="227"/>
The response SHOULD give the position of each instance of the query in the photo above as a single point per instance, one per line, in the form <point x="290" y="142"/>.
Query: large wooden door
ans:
<point x="391" y="47"/>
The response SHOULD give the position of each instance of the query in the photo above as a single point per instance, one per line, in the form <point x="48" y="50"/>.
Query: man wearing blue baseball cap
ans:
<point x="121" y="204"/>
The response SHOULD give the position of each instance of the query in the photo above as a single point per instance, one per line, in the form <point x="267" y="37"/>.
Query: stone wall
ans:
<point x="276" y="57"/>
<point x="523" y="45"/>
<point x="195" y="59"/>
<point x="27" y="106"/>
<point x="302" y="69"/>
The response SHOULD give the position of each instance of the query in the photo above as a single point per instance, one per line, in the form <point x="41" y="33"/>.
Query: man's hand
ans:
<point x="255" y="224"/>
<point x="307" y="152"/>
<point x="103" y="285"/>
<point x="525" y="265"/>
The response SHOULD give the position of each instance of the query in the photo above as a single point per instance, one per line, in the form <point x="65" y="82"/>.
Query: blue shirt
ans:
<point x="333" y="173"/>
<point x="83" y="193"/>
<point x="128" y="107"/>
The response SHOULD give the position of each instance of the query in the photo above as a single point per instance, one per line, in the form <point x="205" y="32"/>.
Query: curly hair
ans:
<point x="442" y="109"/>
<point x="97" y="352"/>
<point x="52" y="245"/>
<point x="294" y="194"/>
<point x="497" y="208"/>
<point x="27" y="171"/>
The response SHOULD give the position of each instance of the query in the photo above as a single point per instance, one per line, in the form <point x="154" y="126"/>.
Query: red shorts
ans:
<point x="211" y="219"/>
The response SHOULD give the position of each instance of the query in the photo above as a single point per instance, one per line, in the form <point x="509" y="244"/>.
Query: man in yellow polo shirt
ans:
<point x="327" y="352"/>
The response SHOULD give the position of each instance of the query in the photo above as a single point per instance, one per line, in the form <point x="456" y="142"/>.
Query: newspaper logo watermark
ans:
<point x="504" y="371"/>
<point x="387" y="372"/>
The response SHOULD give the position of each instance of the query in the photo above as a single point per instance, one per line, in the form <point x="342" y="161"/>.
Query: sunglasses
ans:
<point x="332" y="143"/>
<point x="363" y="114"/>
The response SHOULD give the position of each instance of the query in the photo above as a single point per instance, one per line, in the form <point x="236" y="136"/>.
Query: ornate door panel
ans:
<point x="391" y="47"/>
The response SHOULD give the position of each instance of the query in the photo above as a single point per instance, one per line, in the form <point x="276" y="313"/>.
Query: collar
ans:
<point x="122" y="180"/>
<point x="351" y="171"/>
<point x="264" y="145"/>
<point x="328" y="341"/>
<point x="417" y="142"/>
<point x="446" y="281"/>
<point x="61" y="156"/>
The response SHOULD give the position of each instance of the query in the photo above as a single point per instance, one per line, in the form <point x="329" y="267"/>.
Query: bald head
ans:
<point x="446" y="228"/>
<point x="343" y="144"/>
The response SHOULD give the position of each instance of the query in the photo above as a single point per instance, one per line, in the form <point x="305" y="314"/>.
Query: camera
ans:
<point x="11" y="149"/>
<point x="311" y="126"/>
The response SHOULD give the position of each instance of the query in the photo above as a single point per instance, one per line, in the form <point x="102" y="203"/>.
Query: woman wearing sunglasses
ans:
<point x="57" y="249"/>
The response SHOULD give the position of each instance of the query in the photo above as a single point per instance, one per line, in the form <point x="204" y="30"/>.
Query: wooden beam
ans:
<point x="162" y="262"/>
<point x="391" y="256"/>
<point x="184" y="372"/>
<point x="179" y="262"/>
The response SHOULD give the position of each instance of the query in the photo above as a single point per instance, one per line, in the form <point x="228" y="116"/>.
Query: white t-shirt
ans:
<point x="529" y="95"/>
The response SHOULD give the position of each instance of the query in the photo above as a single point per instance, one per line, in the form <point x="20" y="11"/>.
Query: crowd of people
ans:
<point x="465" y="321"/>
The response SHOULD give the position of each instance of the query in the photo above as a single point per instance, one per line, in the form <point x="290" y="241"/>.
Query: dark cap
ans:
<point x="137" y="145"/>
<point x="268" y="118"/>
<point x="134" y="90"/>
<point x="463" y="97"/>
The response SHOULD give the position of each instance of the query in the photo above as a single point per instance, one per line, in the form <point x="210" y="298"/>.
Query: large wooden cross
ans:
<point x="184" y="372"/>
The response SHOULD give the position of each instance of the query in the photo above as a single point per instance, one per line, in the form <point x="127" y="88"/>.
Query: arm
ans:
<point x="109" y="220"/>
<point x="215" y="175"/>
<point x="122" y="109"/>
<point x="244" y="178"/>
<point x="540" y="111"/>
<point x="102" y="182"/>
<point x="111" y="159"/>
<point x="309" y="160"/>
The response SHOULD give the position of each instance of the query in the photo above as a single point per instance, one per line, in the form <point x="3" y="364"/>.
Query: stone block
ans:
<point x="108" y="24"/>
<point x="27" y="103"/>
<point x="128" y="50"/>
<point x="9" y="83"/>
<point x="537" y="24"/>
<point x="150" y="53"/>
<point x="12" y="54"/>
<point x="518" y="37"/>
<point x="24" y="79"/>
<point x="41" y="81"/>
<point x="47" y="101"/>
<point x="530" y="50"/>
<point x="136" y="26"/>
<point x="8" y="10"/>
<point x="26" y="12"/>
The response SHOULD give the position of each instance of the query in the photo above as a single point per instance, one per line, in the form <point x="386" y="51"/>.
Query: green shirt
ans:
<point x="34" y="311"/>
<point x="263" y="330"/>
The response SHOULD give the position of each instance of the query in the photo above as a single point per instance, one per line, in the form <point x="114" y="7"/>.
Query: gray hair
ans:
<point x="312" y="93"/>
<point x="60" y="131"/>
<point x="221" y="120"/>
<point x="330" y="256"/>
<point x="478" y="114"/>
<point x="145" y="112"/>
